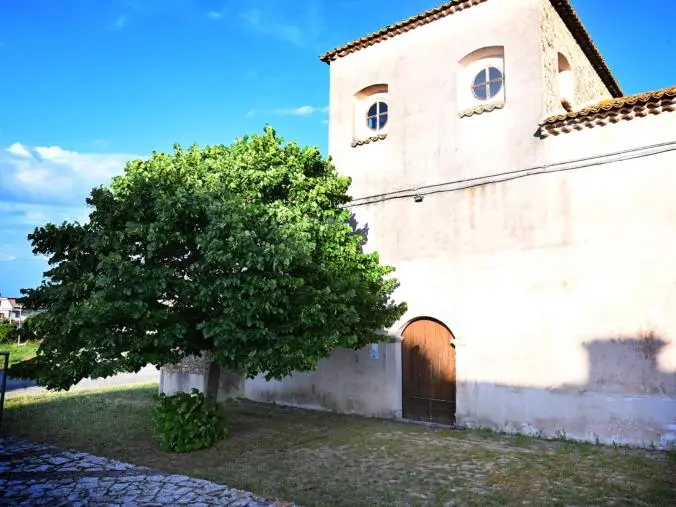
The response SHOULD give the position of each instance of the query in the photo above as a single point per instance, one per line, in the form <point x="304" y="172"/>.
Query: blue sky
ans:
<point x="87" y="85"/>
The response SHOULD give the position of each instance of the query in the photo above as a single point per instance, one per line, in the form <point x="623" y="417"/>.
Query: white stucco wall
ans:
<point x="348" y="381"/>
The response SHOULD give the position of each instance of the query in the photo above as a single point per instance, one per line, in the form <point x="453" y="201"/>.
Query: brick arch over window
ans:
<point x="482" y="53"/>
<point x="371" y="122"/>
<point x="371" y="90"/>
<point x="481" y="80"/>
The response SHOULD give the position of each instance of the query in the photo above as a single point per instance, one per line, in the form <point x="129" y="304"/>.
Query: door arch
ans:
<point x="428" y="372"/>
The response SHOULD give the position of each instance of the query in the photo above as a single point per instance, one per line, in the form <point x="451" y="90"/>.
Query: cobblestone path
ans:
<point x="32" y="474"/>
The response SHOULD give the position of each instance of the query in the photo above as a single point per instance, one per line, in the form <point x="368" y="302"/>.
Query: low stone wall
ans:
<point x="365" y="382"/>
<point x="193" y="372"/>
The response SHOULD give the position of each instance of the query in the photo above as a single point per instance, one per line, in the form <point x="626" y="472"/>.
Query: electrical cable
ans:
<point x="596" y="160"/>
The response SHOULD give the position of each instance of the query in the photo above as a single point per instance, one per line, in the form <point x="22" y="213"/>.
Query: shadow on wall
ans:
<point x="628" y="365"/>
<point x="363" y="231"/>
<point x="626" y="399"/>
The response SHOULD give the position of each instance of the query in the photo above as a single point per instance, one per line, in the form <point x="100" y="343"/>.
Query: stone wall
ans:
<point x="556" y="38"/>
<point x="193" y="372"/>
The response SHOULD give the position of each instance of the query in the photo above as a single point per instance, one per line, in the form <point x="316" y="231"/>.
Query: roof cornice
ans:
<point x="612" y="111"/>
<point x="562" y="7"/>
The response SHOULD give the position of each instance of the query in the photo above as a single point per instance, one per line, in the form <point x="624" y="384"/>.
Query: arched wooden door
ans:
<point x="428" y="377"/>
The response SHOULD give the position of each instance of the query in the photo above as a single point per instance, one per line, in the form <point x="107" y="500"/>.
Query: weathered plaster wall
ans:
<point x="555" y="39"/>
<point x="560" y="289"/>
<point x="427" y="141"/>
<point x="348" y="381"/>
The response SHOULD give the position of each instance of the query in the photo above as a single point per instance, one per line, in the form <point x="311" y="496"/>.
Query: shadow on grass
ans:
<point x="316" y="458"/>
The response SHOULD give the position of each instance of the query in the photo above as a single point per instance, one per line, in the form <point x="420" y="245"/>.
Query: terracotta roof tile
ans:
<point x="622" y="108"/>
<point x="616" y="104"/>
<point x="563" y="7"/>
<point x="368" y="140"/>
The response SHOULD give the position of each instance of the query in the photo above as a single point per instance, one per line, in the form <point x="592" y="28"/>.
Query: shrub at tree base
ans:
<point x="187" y="422"/>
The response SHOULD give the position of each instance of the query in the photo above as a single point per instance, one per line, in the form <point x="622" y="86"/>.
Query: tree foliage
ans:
<point x="244" y="250"/>
<point x="6" y="329"/>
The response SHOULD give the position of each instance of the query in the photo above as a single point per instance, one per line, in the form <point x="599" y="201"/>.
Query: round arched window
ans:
<point x="376" y="118"/>
<point x="487" y="83"/>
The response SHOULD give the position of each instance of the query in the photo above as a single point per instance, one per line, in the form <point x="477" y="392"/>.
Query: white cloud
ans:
<point x="295" y="111"/>
<point x="4" y="257"/>
<point x="55" y="153"/>
<point x="215" y="14"/>
<point x="55" y="175"/>
<point x="299" y="111"/>
<point x="36" y="216"/>
<point x="19" y="150"/>
<point x="119" y="23"/>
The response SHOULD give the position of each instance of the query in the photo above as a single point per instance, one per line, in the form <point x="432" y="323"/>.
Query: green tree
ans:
<point x="6" y="328"/>
<point x="245" y="251"/>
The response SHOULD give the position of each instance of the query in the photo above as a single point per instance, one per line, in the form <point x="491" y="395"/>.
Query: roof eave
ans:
<point x="563" y="7"/>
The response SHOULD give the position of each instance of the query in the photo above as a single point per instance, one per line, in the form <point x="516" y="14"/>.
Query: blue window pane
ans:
<point x="495" y="88"/>
<point x="480" y="78"/>
<point x="480" y="92"/>
<point x="494" y="74"/>
<point x="376" y="118"/>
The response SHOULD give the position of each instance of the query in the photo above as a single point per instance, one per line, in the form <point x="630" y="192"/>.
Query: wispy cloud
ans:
<point x="216" y="14"/>
<point x="294" y="111"/>
<point x="5" y="257"/>
<point x="120" y="22"/>
<point x="261" y="23"/>
<point x="299" y="111"/>
<point x="100" y="142"/>
<point x="301" y="26"/>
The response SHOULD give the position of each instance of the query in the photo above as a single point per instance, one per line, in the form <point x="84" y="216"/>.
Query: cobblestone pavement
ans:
<point x="32" y="474"/>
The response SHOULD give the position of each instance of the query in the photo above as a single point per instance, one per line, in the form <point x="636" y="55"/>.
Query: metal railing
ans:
<point x="4" y="358"/>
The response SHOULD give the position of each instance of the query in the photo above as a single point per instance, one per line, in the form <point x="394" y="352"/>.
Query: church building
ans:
<point x="527" y="205"/>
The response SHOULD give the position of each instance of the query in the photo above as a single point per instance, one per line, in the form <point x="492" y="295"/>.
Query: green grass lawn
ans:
<point x="18" y="353"/>
<point x="324" y="459"/>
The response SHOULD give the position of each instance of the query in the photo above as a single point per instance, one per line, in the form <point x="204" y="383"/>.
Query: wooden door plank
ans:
<point x="428" y="372"/>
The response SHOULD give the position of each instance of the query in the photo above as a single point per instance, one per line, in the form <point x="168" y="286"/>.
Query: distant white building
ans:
<point x="10" y="309"/>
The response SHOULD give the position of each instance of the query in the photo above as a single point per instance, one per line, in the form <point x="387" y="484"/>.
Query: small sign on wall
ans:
<point x="375" y="351"/>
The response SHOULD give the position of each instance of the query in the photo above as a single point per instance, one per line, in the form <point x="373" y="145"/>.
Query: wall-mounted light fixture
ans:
<point x="418" y="198"/>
